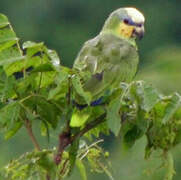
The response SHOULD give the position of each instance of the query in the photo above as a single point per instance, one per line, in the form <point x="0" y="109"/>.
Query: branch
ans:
<point x="32" y="136"/>
<point x="66" y="139"/>
<point x="89" y="126"/>
<point x="169" y="165"/>
<point x="34" y="141"/>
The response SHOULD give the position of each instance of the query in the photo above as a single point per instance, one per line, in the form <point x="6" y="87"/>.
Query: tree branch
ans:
<point x="31" y="135"/>
<point x="34" y="141"/>
<point x="89" y="126"/>
<point x="66" y="139"/>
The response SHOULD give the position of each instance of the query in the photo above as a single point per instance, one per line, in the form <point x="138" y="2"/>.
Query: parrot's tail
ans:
<point x="97" y="102"/>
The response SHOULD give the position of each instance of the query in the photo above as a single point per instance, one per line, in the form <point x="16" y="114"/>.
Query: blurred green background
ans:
<point x="65" y="24"/>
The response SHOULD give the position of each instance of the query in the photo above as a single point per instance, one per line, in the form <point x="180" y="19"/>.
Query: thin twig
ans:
<point x="86" y="151"/>
<point x="64" y="167"/>
<point x="34" y="140"/>
<point x="69" y="91"/>
<point x="32" y="136"/>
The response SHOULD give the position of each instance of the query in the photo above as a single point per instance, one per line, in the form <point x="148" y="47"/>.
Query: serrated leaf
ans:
<point x="9" y="113"/>
<point x="113" y="116"/>
<point x="13" y="130"/>
<point x="10" y="52"/>
<point x="79" y="117"/>
<point x="79" y="89"/>
<point x="172" y="107"/>
<point x="82" y="169"/>
<point x="145" y="94"/>
<point x="6" y="86"/>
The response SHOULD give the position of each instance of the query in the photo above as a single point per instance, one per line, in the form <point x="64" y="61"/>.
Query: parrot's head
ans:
<point x="126" y="23"/>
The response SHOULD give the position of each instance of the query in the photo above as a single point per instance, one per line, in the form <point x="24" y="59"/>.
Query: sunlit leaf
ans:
<point x="79" y="117"/>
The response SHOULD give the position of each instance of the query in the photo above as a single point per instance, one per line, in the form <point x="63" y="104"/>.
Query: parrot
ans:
<point x="112" y="56"/>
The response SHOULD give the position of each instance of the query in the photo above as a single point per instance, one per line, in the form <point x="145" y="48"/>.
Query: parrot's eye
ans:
<point x="126" y="21"/>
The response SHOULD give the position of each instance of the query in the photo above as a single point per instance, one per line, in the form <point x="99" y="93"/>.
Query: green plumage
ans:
<point x="109" y="59"/>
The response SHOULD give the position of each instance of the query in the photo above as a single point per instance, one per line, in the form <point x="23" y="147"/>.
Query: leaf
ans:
<point x="48" y="112"/>
<point x="9" y="114"/>
<point x="43" y="68"/>
<point x="73" y="154"/>
<point x="131" y="136"/>
<point x="10" y="53"/>
<point x="172" y="107"/>
<point x="113" y="116"/>
<point x="3" y="20"/>
<point x="6" y="86"/>
<point x="46" y="162"/>
<point x="145" y="94"/>
<point x="62" y="85"/>
<point x="13" y="130"/>
<point x="54" y="57"/>
<point x="31" y="44"/>
<point x="45" y="129"/>
<point x="79" y="117"/>
<point x="82" y="169"/>
<point x="79" y="89"/>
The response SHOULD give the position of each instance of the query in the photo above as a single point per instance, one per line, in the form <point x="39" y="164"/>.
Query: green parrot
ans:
<point x="111" y="57"/>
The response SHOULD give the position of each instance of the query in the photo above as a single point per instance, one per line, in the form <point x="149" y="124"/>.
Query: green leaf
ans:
<point x="31" y="44"/>
<point x="53" y="57"/>
<point x="45" y="129"/>
<point x="82" y="169"/>
<point x="43" y="68"/>
<point x="113" y="116"/>
<point x="9" y="114"/>
<point x="145" y="95"/>
<point x="13" y="130"/>
<point x="73" y="154"/>
<point x="79" y="117"/>
<point x="172" y="107"/>
<point x="131" y="136"/>
<point x="76" y="81"/>
<point x="62" y="85"/>
<point x="10" y="53"/>
<point x="3" y="20"/>
<point x="6" y="86"/>
<point x="47" y="111"/>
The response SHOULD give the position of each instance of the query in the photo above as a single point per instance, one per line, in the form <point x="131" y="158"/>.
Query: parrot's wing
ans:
<point x="108" y="59"/>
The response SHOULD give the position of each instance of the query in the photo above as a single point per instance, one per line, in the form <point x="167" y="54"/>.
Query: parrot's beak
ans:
<point x="138" y="32"/>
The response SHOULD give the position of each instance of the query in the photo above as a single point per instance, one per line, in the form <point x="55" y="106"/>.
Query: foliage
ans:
<point x="35" y="87"/>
